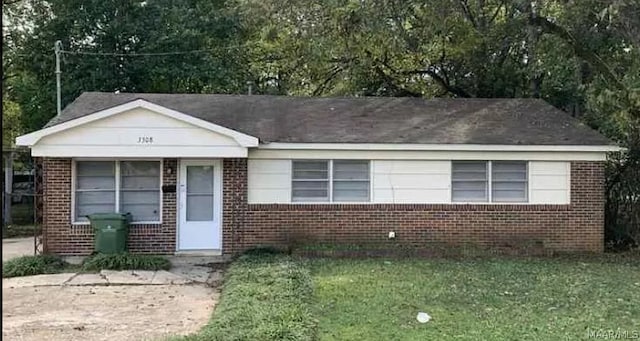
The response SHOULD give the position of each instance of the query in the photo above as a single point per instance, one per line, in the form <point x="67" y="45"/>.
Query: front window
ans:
<point x="489" y="181"/>
<point x="350" y="180"/>
<point x="330" y="181"/>
<point x="310" y="181"/>
<point x="118" y="186"/>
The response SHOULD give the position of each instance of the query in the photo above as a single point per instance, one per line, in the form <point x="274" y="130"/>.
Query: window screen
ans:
<point x="95" y="188"/>
<point x="509" y="181"/>
<point x="140" y="189"/>
<point x="469" y="181"/>
<point x="350" y="180"/>
<point x="310" y="181"/>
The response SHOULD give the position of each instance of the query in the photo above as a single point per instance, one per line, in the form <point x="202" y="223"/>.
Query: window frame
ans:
<point x="489" y="189"/>
<point x="74" y="178"/>
<point x="368" y="180"/>
<point x="526" y="182"/>
<point x="487" y="180"/>
<point x="330" y="182"/>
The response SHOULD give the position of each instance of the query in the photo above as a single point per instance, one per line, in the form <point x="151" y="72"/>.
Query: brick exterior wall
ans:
<point x="577" y="227"/>
<point x="61" y="237"/>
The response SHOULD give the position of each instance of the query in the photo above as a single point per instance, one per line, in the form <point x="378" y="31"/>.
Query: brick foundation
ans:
<point x="577" y="227"/>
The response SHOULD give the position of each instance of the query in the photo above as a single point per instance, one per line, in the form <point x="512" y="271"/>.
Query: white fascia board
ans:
<point x="140" y="152"/>
<point x="439" y="147"/>
<point x="31" y="139"/>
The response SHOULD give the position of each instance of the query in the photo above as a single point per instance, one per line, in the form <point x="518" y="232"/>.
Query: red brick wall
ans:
<point x="61" y="237"/>
<point x="578" y="226"/>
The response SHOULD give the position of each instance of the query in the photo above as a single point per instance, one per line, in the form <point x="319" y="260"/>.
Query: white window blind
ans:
<point x="137" y="189"/>
<point x="140" y="189"/>
<point x="351" y="181"/>
<point x="508" y="181"/>
<point x="330" y="181"/>
<point x="310" y="181"/>
<point x="469" y="181"/>
<point x="95" y="188"/>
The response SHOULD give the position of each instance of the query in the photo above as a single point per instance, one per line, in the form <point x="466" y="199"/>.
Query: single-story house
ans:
<point x="224" y="173"/>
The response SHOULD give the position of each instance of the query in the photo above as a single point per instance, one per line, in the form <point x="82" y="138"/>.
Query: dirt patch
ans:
<point x="88" y="313"/>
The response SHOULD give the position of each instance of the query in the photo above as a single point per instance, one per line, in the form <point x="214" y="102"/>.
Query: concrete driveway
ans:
<point x="105" y="312"/>
<point x="111" y="305"/>
<point x="16" y="247"/>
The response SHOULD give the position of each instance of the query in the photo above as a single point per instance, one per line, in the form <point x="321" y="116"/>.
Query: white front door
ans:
<point x="200" y="207"/>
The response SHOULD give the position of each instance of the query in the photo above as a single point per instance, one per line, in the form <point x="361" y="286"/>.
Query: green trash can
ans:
<point x="111" y="231"/>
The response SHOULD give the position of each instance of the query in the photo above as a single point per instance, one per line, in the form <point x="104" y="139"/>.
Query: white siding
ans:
<point x="407" y="181"/>
<point x="269" y="181"/>
<point x="549" y="182"/>
<point x="120" y="136"/>
<point x="411" y="181"/>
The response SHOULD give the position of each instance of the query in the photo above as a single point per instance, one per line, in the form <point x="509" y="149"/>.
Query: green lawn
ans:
<point x="490" y="299"/>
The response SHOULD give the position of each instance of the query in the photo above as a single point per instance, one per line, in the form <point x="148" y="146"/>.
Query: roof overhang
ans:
<point x="138" y="129"/>
<point x="439" y="147"/>
<point x="382" y="151"/>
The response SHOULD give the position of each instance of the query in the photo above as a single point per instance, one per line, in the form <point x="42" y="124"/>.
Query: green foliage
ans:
<point x="32" y="265"/>
<point x="124" y="27"/>
<point x="623" y="197"/>
<point x="11" y="122"/>
<point x="265" y="297"/>
<point x="266" y="251"/>
<point x="488" y="299"/>
<point x="125" y="261"/>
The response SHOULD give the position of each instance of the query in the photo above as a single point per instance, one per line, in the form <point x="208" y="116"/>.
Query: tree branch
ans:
<point x="593" y="58"/>
<point x="400" y="91"/>
<point x="320" y="88"/>
<point x="431" y="72"/>
<point x="468" y="13"/>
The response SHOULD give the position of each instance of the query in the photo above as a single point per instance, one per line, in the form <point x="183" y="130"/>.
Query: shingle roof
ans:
<point x="366" y="119"/>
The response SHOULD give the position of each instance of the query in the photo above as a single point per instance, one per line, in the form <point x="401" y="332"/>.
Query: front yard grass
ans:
<point x="265" y="297"/>
<point x="482" y="299"/>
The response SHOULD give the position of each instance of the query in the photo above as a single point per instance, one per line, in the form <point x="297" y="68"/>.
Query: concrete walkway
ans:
<point x="16" y="247"/>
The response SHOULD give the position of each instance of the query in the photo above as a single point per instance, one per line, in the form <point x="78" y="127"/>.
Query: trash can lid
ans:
<point x="111" y="215"/>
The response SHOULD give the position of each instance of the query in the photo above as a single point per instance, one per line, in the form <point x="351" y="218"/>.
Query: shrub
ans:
<point x="262" y="251"/>
<point x="32" y="265"/>
<point x="125" y="261"/>
<point x="265" y="297"/>
<point x="622" y="211"/>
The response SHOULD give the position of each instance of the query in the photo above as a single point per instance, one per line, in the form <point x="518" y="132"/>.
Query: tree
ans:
<point x="102" y="38"/>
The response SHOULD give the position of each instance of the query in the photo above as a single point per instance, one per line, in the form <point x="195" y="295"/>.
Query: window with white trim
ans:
<point x="118" y="186"/>
<point x="95" y="188"/>
<point x="351" y="181"/>
<point x="330" y="181"/>
<point x="140" y="189"/>
<point x="509" y="181"/>
<point x="489" y="181"/>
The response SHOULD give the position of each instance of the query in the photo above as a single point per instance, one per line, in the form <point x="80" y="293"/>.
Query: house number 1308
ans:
<point x="145" y="139"/>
